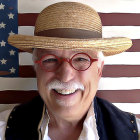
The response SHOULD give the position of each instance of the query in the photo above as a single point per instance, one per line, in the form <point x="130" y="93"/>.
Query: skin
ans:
<point x="68" y="113"/>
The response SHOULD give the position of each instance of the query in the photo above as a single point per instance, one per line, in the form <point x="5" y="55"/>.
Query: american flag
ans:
<point x="120" y="83"/>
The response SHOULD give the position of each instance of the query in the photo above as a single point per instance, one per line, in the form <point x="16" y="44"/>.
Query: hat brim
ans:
<point x="109" y="46"/>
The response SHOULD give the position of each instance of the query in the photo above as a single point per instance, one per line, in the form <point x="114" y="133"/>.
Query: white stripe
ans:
<point x="132" y="32"/>
<point x="124" y="6"/>
<point x="4" y="107"/>
<point x="17" y="84"/>
<point x="26" y="30"/>
<point x="129" y="107"/>
<point x="125" y="58"/>
<point x="25" y="58"/>
<point x="104" y="84"/>
<point x="122" y="83"/>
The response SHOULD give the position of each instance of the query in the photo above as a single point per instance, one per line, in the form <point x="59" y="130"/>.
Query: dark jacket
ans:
<point x="112" y="123"/>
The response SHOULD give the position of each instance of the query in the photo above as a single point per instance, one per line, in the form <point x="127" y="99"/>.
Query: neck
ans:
<point x="61" y="122"/>
<point x="66" y="125"/>
<point x="63" y="128"/>
<point x="66" y="118"/>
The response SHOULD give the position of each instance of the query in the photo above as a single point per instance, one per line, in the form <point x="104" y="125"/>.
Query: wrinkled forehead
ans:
<point x="67" y="53"/>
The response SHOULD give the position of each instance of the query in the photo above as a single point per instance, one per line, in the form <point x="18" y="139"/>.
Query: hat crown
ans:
<point x="70" y="16"/>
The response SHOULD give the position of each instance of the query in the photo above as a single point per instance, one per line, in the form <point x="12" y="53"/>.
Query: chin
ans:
<point x="65" y="104"/>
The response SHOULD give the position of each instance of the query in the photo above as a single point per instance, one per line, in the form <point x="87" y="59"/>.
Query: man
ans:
<point x="68" y="53"/>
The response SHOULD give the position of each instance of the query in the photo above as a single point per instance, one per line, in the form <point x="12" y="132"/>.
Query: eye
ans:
<point x="50" y="60"/>
<point x="78" y="59"/>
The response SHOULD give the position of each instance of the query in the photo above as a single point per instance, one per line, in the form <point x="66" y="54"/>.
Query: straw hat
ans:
<point x="70" y="25"/>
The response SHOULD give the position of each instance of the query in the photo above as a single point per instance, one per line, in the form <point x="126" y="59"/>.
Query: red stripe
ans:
<point x="121" y="71"/>
<point x="26" y="71"/>
<point x="108" y="19"/>
<point x="120" y="19"/>
<point x="13" y="97"/>
<point x="138" y="116"/>
<point x="108" y="71"/>
<point x="135" y="47"/>
<point x="120" y="96"/>
<point x="114" y="96"/>
<point x="22" y="19"/>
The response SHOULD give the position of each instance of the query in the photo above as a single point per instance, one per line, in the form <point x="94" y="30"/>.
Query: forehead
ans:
<point x="41" y="52"/>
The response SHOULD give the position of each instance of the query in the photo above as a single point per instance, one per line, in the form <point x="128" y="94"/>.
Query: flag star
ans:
<point x="2" y="43"/>
<point x="3" y="61"/>
<point x="2" y="6"/>
<point x="11" y="16"/>
<point x="12" y="70"/>
<point x="11" y="33"/>
<point x="2" y="25"/>
<point x="12" y="52"/>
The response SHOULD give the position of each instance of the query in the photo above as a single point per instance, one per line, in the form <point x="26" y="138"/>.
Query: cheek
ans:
<point x="43" y="78"/>
<point x="91" y="75"/>
<point x="42" y="75"/>
<point x="91" y="79"/>
<point x="94" y="80"/>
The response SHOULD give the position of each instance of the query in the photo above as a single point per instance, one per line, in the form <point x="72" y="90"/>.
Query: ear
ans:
<point x="101" y="69"/>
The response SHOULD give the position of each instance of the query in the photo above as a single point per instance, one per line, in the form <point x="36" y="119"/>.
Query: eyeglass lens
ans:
<point x="80" y="61"/>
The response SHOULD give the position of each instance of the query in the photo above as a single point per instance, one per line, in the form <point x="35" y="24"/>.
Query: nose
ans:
<point x="65" y="72"/>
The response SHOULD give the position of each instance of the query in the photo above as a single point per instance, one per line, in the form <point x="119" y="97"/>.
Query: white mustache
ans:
<point x="56" y="84"/>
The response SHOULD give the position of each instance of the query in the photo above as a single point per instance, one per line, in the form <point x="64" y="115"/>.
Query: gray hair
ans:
<point x="34" y="58"/>
<point x="100" y="58"/>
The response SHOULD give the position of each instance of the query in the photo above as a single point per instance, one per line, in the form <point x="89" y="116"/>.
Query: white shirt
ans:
<point x="89" y="126"/>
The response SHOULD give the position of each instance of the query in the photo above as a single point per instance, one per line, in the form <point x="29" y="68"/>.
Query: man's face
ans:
<point x="76" y="100"/>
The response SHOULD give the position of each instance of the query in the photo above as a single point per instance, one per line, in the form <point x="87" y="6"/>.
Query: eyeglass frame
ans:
<point x="69" y="60"/>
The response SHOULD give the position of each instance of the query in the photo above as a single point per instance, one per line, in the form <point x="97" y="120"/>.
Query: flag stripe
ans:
<point x="121" y="83"/>
<point x="135" y="47"/>
<point x="12" y="97"/>
<point x="108" y="19"/>
<point x="118" y="96"/>
<point x="121" y="71"/>
<point x="122" y="96"/>
<point x="132" y="32"/>
<point x="129" y="107"/>
<point x="18" y="84"/>
<point x="27" y="71"/>
<point x="120" y="19"/>
<point x="4" y="107"/>
<point x="108" y="71"/>
<point x="16" y="96"/>
<point x="109" y="6"/>
<point x="31" y="19"/>
<point x="125" y="58"/>
<point x="138" y="115"/>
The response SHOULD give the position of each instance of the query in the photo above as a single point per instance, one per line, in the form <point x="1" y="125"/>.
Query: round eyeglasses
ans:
<point x="79" y="61"/>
